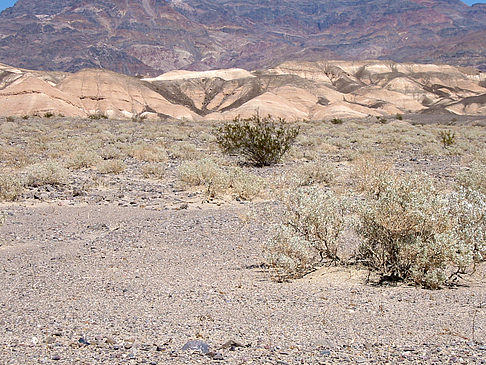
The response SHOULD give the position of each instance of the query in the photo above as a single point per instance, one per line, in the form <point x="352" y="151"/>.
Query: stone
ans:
<point x="196" y="345"/>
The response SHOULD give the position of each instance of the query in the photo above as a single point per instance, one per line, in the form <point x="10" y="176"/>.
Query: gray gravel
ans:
<point x="104" y="284"/>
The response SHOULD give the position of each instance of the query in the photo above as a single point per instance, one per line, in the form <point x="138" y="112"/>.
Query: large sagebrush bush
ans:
<point x="308" y="234"/>
<point x="262" y="141"/>
<point x="410" y="233"/>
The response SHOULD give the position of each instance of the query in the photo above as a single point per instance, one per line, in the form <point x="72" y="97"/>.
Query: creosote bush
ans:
<point x="308" y="234"/>
<point x="262" y="141"/>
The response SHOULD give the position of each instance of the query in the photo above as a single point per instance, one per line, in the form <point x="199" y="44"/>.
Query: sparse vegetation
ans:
<point x="337" y="121"/>
<point x="113" y="166"/>
<point x="448" y="138"/>
<point x="45" y="173"/>
<point x="308" y="234"/>
<point x="262" y="141"/>
<point x="11" y="186"/>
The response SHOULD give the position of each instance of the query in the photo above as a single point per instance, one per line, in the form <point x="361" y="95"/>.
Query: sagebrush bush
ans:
<point x="205" y="173"/>
<point x="245" y="185"/>
<point x="153" y="170"/>
<point x="448" y="138"/>
<point x="262" y="141"/>
<point x="474" y="178"/>
<point x="115" y="166"/>
<point x="308" y="234"/>
<point x="82" y="158"/>
<point x="369" y="173"/>
<point x="408" y="233"/>
<point x="45" y="173"/>
<point x="11" y="186"/>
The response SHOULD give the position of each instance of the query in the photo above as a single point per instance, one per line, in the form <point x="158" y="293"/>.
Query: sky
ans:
<point x="7" y="3"/>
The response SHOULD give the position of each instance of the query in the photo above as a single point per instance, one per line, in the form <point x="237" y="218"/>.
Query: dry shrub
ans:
<point x="369" y="173"/>
<point x="311" y="174"/>
<point x="45" y="173"/>
<point x="409" y="234"/>
<point x="111" y="166"/>
<point x="11" y="186"/>
<point x="474" y="178"/>
<point x="216" y="181"/>
<point x="111" y="152"/>
<point x="245" y="185"/>
<point x="153" y="170"/>
<point x="308" y="234"/>
<point x="184" y="151"/>
<point x="148" y="153"/>
<point x="204" y="173"/>
<point x="82" y="158"/>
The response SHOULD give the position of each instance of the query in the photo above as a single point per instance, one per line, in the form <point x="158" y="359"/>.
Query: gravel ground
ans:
<point x="108" y="284"/>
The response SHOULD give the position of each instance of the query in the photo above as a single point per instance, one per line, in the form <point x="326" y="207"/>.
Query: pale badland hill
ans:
<point x="292" y="90"/>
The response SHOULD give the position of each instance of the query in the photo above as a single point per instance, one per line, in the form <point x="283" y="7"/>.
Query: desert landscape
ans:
<point x="123" y="241"/>
<point x="209" y="181"/>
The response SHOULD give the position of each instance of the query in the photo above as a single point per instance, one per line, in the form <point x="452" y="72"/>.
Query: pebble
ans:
<point x="56" y="357"/>
<point x="196" y="345"/>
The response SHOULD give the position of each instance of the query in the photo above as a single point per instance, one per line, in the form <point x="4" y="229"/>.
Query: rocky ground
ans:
<point x="141" y="271"/>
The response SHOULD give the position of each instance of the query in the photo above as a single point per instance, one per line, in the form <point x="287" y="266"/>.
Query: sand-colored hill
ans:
<point x="292" y="90"/>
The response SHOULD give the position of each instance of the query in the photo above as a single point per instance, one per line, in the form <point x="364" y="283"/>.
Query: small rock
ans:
<point x="56" y="357"/>
<point x="231" y="345"/>
<point x="196" y="345"/>
<point x="482" y="348"/>
<point x="50" y="340"/>
<point x="217" y="356"/>
<point x="110" y="341"/>
<point x="325" y="353"/>
<point x="128" y="345"/>
<point x="83" y="341"/>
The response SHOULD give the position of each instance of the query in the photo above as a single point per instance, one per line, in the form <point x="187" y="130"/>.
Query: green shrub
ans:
<point x="308" y="234"/>
<point x="97" y="116"/>
<point x="48" y="115"/>
<point x="262" y="141"/>
<point x="448" y="138"/>
<point x="398" y="116"/>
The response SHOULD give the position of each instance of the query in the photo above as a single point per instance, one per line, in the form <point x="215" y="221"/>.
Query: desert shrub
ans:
<point x="111" y="166"/>
<point x="11" y="186"/>
<point x="448" y="138"/>
<point x="337" y="121"/>
<point x="111" y="152"/>
<point x="45" y="173"/>
<point x="308" y="234"/>
<point x="381" y="120"/>
<point x="153" y="170"/>
<point x="48" y="115"/>
<point x="82" y="158"/>
<point x="204" y="173"/>
<point x="184" y="151"/>
<point x="148" y="153"/>
<point x="97" y="116"/>
<point x="244" y="184"/>
<point x="369" y="173"/>
<point x="474" y="178"/>
<point x="467" y="209"/>
<point x="313" y="173"/>
<point x="262" y="141"/>
<point x="398" y="116"/>
<point x="408" y="233"/>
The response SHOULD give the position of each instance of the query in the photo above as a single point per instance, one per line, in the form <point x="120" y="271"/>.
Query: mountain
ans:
<point x="292" y="90"/>
<point x="149" y="37"/>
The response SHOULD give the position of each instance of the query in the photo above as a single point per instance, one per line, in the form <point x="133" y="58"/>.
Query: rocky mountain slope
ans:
<point x="293" y="90"/>
<point x="149" y="37"/>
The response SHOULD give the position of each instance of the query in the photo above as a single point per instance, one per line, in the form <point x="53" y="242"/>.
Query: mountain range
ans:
<point x="150" y="37"/>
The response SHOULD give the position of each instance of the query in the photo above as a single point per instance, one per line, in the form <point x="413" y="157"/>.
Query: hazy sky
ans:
<point x="6" y="3"/>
